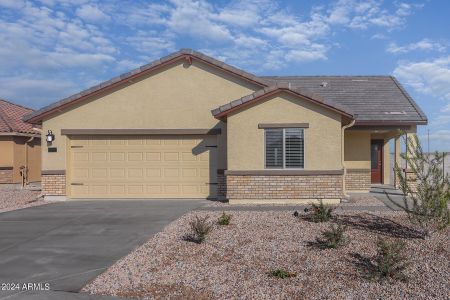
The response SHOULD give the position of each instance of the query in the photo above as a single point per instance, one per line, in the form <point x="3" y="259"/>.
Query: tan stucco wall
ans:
<point x="178" y="96"/>
<point x="6" y="151"/>
<point x="357" y="149"/>
<point x="27" y="154"/>
<point x="34" y="160"/>
<point x="19" y="157"/>
<point x="322" y="138"/>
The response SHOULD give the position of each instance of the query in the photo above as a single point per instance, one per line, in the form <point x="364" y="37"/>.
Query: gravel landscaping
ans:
<point x="12" y="198"/>
<point x="235" y="260"/>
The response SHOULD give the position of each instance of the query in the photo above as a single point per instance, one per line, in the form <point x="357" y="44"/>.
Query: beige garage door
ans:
<point x="143" y="167"/>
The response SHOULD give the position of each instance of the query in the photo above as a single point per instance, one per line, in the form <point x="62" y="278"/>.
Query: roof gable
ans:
<point x="262" y="94"/>
<point x="11" y="118"/>
<point x="186" y="54"/>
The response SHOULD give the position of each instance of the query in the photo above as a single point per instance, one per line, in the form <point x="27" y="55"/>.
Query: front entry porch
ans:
<point x="370" y="155"/>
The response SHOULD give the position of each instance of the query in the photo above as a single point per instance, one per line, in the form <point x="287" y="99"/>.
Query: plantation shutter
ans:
<point x="285" y="148"/>
<point x="274" y="148"/>
<point x="294" y="148"/>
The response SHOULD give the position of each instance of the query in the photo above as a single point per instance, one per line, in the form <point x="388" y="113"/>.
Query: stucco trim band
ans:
<point x="283" y="125"/>
<point x="283" y="172"/>
<point x="53" y="172"/>
<point x="213" y="131"/>
<point x="6" y="168"/>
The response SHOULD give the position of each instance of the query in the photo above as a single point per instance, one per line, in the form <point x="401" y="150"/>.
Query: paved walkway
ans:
<point x="68" y="244"/>
<point x="390" y="200"/>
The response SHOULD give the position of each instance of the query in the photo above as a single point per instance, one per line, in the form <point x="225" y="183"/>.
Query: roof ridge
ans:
<point x="306" y="76"/>
<point x="15" y="104"/>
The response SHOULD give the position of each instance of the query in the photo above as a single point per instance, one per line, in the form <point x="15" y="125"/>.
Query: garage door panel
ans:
<point x="153" y="156"/>
<point x="100" y="173"/>
<point x="117" y="173"/>
<point x="142" y="167"/>
<point x="171" y="156"/>
<point x="99" y="156"/>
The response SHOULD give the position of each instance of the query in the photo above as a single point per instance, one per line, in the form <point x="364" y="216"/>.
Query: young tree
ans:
<point x="426" y="200"/>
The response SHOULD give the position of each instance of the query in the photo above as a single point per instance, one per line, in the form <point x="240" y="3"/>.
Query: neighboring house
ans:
<point x="20" y="145"/>
<point x="150" y="133"/>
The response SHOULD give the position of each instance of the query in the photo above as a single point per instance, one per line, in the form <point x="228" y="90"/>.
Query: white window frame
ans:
<point x="284" y="147"/>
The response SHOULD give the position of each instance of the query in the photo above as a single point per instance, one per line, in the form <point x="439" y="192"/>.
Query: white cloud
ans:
<point x="14" y="4"/>
<point x="92" y="13"/>
<point x="44" y="36"/>
<point x="424" y="45"/>
<point x="315" y="52"/>
<point x="151" y="43"/>
<point x="431" y="77"/>
<point x="32" y="91"/>
<point x="363" y="14"/>
<point x="442" y="136"/>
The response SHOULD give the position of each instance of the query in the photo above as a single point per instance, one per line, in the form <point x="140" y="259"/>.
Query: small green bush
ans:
<point x="200" y="227"/>
<point x="278" y="273"/>
<point x="321" y="212"/>
<point x="390" y="261"/>
<point x="334" y="237"/>
<point x="224" y="219"/>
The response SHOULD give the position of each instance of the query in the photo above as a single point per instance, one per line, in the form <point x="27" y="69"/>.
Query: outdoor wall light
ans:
<point x="50" y="136"/>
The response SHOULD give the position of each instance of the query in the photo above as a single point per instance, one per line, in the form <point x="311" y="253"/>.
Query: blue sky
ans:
<point x="50" y="49"/>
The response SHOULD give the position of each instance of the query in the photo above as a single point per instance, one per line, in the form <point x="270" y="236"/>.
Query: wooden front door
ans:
<point x="376" y="157"/>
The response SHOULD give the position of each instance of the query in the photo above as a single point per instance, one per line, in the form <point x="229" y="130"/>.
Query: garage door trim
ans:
<point x="213" y="131"/>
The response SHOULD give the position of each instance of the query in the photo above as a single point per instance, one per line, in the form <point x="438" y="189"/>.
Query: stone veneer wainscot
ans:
<point x="358" y="180"/>
<point x="54" y="183"/>
<point x="286" y="186"/>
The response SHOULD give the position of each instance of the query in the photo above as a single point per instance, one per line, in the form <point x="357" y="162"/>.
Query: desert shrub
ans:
<point x="200" y="227"/>
<point x="427" y="204"/>
<point x="321" y="212"/>
<point x="279" y="273"/>
<point x="224" y="219"/>
<point x="333" y="237"/>
<point x="390" y="262"/>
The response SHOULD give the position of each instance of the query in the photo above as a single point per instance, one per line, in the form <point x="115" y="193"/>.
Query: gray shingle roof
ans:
<point x="281" y="86"/>
<point x="371" y="98"/>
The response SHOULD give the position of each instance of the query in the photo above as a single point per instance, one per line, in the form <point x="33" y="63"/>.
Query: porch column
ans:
<point x="386" y="162"/>
<point x="397" y="160"/>
<point x="411" y="146"/>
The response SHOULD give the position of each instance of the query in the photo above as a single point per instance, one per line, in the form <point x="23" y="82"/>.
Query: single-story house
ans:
<point x="20" y="145"/>
<point x="190" y="126"/>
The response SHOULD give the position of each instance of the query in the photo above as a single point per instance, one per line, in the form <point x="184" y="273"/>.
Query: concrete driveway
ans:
<point x="68" y="244"/>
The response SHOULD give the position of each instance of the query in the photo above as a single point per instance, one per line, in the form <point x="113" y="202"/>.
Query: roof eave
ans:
<point x="391" y="122"/>
<point x="187" y="54"/>
<point x="15" y="133"/>
<point x="220" y="114"/>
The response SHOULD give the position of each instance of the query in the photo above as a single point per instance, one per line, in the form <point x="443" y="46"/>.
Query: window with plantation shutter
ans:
<point x="274" y="148"/>
<point x="284" y="148"/>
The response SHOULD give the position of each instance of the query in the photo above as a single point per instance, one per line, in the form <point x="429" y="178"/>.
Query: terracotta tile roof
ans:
<point x="279" y="87"/>
<point x="11" y="118"/>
